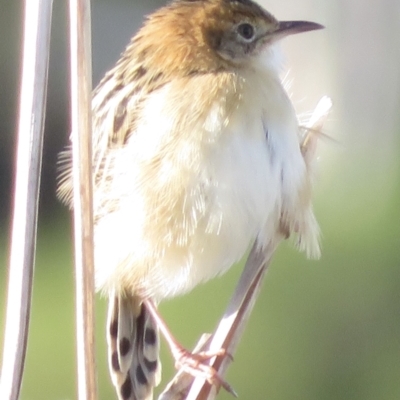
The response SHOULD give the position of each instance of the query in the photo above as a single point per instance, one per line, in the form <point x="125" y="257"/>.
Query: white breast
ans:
<point x="190" y="207"/>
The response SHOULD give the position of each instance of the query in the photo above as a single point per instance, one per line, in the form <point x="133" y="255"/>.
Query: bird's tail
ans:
<point x="133" y="348"/>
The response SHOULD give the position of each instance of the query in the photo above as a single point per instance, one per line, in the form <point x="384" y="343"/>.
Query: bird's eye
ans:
<point x="246" y="31"/>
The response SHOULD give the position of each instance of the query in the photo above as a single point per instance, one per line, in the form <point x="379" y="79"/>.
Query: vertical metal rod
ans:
<point x="26" y="193"/>
<point x="81" y="88"/>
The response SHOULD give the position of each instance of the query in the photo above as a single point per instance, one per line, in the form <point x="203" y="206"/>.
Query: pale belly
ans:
<point x="228" y="202"/>
<point x="243" y="194"/>
<point x="191" y="199"/>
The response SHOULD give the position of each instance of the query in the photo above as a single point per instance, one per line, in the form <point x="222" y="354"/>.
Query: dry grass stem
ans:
<point x="81" y="88"/>
<point x="26" y="194"/>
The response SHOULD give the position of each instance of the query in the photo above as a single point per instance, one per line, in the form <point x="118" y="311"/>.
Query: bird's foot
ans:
<point x="196" y="365"/>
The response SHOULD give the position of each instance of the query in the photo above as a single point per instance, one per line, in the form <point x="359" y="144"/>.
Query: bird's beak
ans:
<point x="286" y="28"/>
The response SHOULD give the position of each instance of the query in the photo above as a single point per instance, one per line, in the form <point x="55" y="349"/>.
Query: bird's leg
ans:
<point x="192" y="363"/>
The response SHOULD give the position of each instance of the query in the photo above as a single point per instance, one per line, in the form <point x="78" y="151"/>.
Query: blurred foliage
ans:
<point x="328" y="329"/>
<point x="325" y="329"/>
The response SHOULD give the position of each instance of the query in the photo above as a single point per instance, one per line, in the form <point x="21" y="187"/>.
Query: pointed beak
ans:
<point x="286" y="28"/>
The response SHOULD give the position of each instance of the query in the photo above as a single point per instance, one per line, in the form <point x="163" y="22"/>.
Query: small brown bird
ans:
<point x="196" y="154"/>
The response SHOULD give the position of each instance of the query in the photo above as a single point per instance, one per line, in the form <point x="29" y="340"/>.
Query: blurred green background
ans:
<point x="327" y="329"/>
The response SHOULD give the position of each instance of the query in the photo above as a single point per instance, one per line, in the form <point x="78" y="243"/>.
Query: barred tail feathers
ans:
<point x="133" y="348"/>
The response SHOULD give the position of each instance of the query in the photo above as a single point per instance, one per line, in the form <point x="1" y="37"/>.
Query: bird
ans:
<point x="196" y="155"/>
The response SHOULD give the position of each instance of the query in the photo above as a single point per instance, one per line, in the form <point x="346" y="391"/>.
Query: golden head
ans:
<point x="194" y="36"/>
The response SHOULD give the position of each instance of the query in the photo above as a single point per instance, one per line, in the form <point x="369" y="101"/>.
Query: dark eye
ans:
<point x="246" y="31"/>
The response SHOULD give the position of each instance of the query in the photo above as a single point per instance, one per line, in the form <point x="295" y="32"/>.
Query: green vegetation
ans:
<point x="325" y="329"/>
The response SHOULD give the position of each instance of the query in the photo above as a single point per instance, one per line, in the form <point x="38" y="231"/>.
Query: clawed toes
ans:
<point x="193" y="364"/>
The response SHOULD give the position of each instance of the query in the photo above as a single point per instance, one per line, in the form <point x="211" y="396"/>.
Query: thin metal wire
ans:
<point x="26" y="194"/>
<point x="81" y="88"/>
